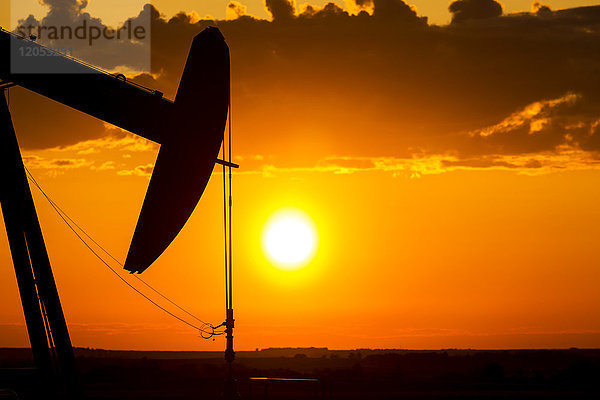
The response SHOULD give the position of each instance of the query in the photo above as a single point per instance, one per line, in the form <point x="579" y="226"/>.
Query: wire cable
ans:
<point x="114" y="258"/>
<point x="204" y="329"/>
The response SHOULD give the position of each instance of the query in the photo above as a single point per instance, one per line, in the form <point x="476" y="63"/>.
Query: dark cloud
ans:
<point x="463" y="10"/>
<point x="64" y="162"/>
<point x="64" y="9"/>
<point x="43" y="123"/>
<point x="390" y="9"/>
<point x="541" y="9"/>
<point x="328" y="11"/>
<point x="539" y="127"/>
<point x="236" y="8"/>
<point x="323" y="82"/>
<point x="281" y="10"/>
<point x="394" y="9"/>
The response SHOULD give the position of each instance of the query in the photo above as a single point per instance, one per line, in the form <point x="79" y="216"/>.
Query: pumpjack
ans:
<point x="190" y="130"/>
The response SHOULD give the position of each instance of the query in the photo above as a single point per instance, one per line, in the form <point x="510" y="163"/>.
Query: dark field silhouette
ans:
<point x="357" y="374"/>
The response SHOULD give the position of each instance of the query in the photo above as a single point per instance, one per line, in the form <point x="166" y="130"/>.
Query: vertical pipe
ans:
<point x="230" y="385"/>
<point x="230" y="217"/>
<point x="230" y="322"/>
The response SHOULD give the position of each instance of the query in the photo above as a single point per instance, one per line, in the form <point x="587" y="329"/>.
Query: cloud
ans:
<point x="64" y="9"/>
<point x="141" y="170"/>
<point x="36" y="162"/>
<point x="93" y="154"/>
<point x="327" y="11"/>
<point x="372" y="86"/>
<point x="117" y="140"/>
<point x="281" y="10"/>
<point x="54" y="166"/>
<point x="543" y="126"/>
<point x="540" y="9"/>
<point x="235" y="10"/>
<point x="534" y="117"/>
<point x="463" y="10"/>
<point x="563" y="158"/>
<point x="53" y="125"/>
<point x="394" y="10"/>
<point x="381" y="84"/>
<point x="105" y="166"/>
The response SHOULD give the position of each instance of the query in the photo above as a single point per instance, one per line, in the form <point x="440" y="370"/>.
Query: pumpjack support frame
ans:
<point x="190" y="131"/>
<point x="46" y="326"/>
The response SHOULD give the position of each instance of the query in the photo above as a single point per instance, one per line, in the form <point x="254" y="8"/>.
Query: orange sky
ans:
<point x="114" y="10"/>
<point x="451" y="212"/>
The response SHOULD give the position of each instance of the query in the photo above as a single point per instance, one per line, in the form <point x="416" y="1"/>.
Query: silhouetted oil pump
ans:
<point x="190" y="130"/>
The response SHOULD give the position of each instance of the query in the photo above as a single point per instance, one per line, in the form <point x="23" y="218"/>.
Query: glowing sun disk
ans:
<point x="289" y="239"/>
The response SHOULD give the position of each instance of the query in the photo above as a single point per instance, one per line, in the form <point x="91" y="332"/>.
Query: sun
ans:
<point x="289" y="239"/>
